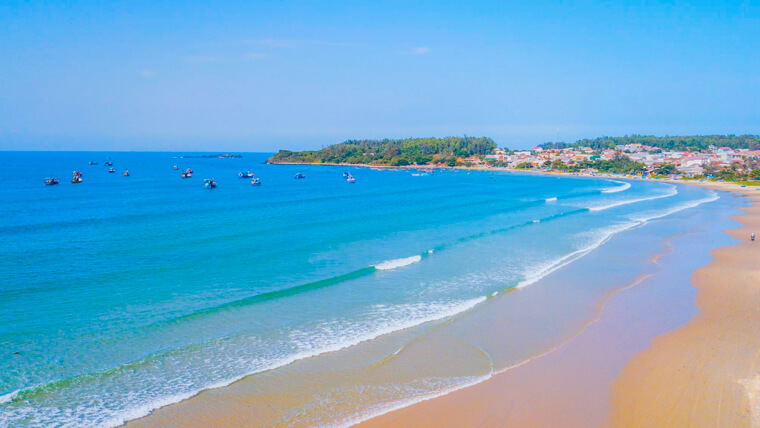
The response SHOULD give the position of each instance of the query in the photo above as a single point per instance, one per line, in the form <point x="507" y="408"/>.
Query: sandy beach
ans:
<point x="603" y="375"/>
<point x="704" y="373"/>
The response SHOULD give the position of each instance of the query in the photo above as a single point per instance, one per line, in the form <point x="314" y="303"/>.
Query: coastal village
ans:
<point x="675" y="164"/>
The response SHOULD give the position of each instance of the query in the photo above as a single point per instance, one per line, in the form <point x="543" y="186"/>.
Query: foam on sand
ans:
<point x="603" y="235"/>
<point x="417" y="314"/>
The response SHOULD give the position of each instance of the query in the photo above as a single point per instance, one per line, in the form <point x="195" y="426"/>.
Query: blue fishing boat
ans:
<point x="299" y="176"/>
<point x="209" y="183"/>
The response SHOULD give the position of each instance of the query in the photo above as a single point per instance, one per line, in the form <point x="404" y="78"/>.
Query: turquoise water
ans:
<point x="124" y="294"/>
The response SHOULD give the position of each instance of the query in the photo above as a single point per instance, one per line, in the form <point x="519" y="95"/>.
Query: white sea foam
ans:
<point x="671" y="192"/>
<point x="416" y="314"/>
<point x="397" y="263"/>
<point x="623" y="186"/>
<point x="603" y="235"/>
<point x="382" y="409"/>
<point x="652" y="215"/>
<point x="7" y="398"/>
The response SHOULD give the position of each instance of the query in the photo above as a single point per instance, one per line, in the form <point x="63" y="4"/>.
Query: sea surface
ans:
<point x="120" y="295"/>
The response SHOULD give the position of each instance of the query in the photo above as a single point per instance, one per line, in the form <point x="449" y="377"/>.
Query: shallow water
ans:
<point x="123" y="294"/>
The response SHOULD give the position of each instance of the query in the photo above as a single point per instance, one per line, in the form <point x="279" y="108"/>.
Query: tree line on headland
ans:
<point x="450" y="151"/>
<point x="407" y="151"/>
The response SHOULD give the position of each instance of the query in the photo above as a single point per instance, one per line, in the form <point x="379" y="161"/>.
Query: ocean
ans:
<point x="121" y="295"/>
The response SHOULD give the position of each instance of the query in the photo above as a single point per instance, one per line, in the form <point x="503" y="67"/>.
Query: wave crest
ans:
<point x="397" y="263"/>
<point x="673" y="191"/>
<point x="624" y="186"/>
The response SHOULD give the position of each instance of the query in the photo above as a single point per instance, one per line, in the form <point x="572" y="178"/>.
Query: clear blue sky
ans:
<point x="260" y="75"/>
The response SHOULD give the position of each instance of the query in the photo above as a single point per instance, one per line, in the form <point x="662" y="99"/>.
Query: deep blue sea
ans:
<point x="120" y="294"/>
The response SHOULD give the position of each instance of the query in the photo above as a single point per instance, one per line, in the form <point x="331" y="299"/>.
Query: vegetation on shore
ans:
<point x="454" y="151"/>
<point x="407" y="151"/>
<point x="694" y="143"/>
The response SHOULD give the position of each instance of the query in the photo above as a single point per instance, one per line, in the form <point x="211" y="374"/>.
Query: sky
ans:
<point x="263" y="76"/>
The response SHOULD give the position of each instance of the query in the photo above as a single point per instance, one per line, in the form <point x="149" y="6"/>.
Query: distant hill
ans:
<point x="408" y="151"/>
<point x="684" y="143"/>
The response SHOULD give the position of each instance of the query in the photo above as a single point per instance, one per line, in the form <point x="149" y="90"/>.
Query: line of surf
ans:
<point x="673" y="191"/>
<point x="144" y="410"/>
<point x="623" y="186"/>
<point x="552" y="267"/>
<point x="606" y="234"/>
<point x="398" y="263"/>
<point x="7" y="398"/>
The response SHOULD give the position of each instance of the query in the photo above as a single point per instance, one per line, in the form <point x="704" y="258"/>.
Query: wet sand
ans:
<point x="568" y="386"/>
<point x="705" y="372"/>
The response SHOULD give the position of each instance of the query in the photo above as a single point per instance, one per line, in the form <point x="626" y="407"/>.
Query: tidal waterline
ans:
<point x="127" y="295"/>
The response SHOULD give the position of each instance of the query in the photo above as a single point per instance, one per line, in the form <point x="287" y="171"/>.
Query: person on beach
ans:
<point x="752" y="237"/>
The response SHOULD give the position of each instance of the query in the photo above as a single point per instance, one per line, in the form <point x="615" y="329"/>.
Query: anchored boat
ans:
<point x="247" y="174"/>
<point x="255" y="182"/>
<point x="51" y="181"/>
<point x="209" y="183"/>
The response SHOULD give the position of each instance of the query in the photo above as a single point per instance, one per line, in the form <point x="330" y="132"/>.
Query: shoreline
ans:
<point x="175" y="409"/>
<point x="662" y="366"/>
<point x="706" y="370"/>
<point x="714" y="184"/>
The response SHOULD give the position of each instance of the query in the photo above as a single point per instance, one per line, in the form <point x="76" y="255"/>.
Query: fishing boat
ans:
<point x="111" y="170"/>
<point x="299" y="176"/>
<point x="126" y="173"/>
<point x="176" y="167"/>
<point x="346" y="175"/>
<point x="77" y="177"/>
<point x="247" y="174"/>
<point x="189" y="171"/>
<point x="92" y="163"/>
<point x="209" y="183"/>
<point x="51" y="181"/>
<point x="108" y="163"/>
<point x="187" y="174"/>
<point x="351" y="179"/>
<point x="255" y="182"/>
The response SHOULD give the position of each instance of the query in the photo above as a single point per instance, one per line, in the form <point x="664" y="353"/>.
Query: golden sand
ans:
<point x="703" y="373"/>
<point x="707" y="372"/>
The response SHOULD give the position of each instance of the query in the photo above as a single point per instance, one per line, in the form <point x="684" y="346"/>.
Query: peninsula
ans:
<point x="720" y="157"/>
